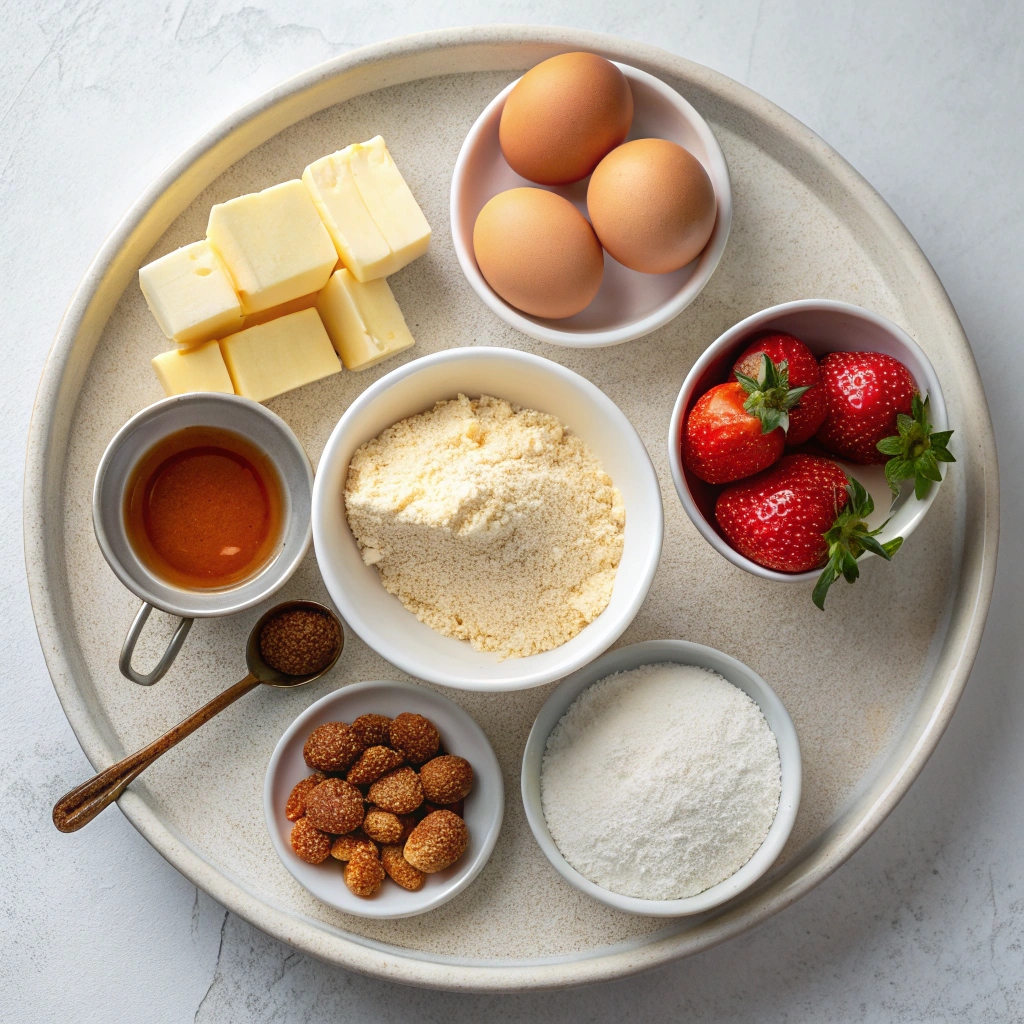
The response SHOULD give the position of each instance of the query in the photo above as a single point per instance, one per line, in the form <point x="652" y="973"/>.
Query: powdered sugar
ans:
<point x="660" y="782"/>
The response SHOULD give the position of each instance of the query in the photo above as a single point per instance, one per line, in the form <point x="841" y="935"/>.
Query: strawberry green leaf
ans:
<point x="914" y="450"/>
<point x="770" y="397"/>
<point x="891" y="446"/>
<point x="848" y="538"/>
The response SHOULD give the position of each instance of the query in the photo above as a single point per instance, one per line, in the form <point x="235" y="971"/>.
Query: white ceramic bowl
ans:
<point x="484" y="807"/>
<point x="629" y="304"/>
<point x="824" y="326"/>
<point x="380" y="619"/>
<point x="679" y="652"/>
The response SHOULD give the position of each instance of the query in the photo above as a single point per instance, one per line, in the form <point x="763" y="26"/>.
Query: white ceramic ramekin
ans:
<point x="824" y="326"/>
<point x="679" y="652"/>
<point x="379" y="618"/>
<point x="483" y="811"/>
<point x="629" y="304"/>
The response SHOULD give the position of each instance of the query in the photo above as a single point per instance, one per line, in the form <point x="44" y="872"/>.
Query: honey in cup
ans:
<point x="203" y="508"/>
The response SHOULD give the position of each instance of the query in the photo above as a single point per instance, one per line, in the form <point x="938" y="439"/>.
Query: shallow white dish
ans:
<point x="629" y="304"/>
<point x="679" y="652"/>
<point x="823" y="326"/>
<point x="380" y="619"/>
<point x="484" y="807"/>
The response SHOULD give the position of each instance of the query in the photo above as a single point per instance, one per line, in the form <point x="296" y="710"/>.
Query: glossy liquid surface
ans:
<point x="203" y="508"/>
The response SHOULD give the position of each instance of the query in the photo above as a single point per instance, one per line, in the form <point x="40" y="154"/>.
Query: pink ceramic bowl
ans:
<point x="629" y="304"/>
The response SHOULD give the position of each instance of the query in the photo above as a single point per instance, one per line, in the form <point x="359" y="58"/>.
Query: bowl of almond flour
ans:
<point x="663" y="779"/>
<point x="486" y="519"/>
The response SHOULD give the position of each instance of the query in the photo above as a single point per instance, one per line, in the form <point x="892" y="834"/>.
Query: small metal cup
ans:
<point x="268" y="432"/>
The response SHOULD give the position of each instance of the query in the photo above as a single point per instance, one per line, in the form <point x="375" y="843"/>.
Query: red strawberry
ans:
<point x="739" y="428"/>
<point x="809" y="412"/>
<point x="801" y="514"/>
<point x="866" y="391"/>
<point x="724" y="442"/>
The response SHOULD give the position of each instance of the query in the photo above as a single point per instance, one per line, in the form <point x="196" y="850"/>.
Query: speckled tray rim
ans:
<point x="492" y="48"/>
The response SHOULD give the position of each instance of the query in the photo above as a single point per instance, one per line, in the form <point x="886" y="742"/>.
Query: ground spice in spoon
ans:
<point x="299" y="642"/>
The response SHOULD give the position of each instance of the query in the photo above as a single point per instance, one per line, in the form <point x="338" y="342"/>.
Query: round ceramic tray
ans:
<point x="870" y="684"/>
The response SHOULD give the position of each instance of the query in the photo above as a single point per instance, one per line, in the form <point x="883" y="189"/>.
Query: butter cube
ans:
<point x="374" y="221"/>
<point x="274" y="245"/>
<point x="357" y="239"/>
<point x="191" y="295"/>
<point x="275" y="357"/>
<point x="363" y="320"/>
<point x="200" y="368"/>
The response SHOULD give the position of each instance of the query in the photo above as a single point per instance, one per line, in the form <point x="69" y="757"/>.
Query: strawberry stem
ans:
<point x="770" y="397"/>
<point x="916" y="452"/>
<point x="848" y="538"/>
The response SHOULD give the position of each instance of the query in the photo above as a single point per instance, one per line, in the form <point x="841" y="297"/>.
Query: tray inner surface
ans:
<point x="849" y="677"/>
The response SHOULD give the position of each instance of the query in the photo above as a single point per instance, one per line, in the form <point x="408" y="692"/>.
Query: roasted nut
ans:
<point x="382" y="826"/>
<point x="364" y="873"/>
<point x="372" y="765"/>
<point x="309" y="843"/>
<point x="344" y="847"/>
<point x="399" y="791"/>
<point x="415" y="736"/>
<point x="409" y="822"/>
<point x="295" y="808"/>
<point x="437" y="842"/>
<point x="446" y="779"/>
<point x="372" y="730"/>
<point x="332" y="747"/>
<point x="395" y="864"/>
<point x="335" y="806"/>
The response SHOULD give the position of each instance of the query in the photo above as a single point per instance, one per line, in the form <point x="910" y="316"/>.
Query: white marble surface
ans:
<point x="926" y="923"/>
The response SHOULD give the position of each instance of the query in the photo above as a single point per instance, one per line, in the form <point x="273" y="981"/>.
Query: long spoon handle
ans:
<point x="84" y="802"/>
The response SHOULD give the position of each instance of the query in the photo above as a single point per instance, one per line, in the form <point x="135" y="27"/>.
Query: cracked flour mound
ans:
<point x="491" y="523"/>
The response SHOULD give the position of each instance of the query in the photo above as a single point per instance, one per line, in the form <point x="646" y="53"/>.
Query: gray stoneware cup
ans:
<point x="268" y="432"/>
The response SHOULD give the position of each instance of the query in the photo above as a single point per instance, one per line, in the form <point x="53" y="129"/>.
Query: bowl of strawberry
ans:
<point x="808" y="437"/>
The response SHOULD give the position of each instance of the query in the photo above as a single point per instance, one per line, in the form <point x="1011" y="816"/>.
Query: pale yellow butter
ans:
<point x="274" y="245"/>
<point x="200" y="368"/>
<point x="358" y="240"/>
<point x="372" y="216"/>
<point x="191" y="295"/>
<point x="275" y="357"/>
<point x="363" y="320"/>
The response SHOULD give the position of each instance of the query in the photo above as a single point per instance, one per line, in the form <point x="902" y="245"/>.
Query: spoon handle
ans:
<point x="84" y="802"/>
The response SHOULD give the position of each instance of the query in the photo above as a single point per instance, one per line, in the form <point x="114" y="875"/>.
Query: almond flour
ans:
<point x="491" y="523"/>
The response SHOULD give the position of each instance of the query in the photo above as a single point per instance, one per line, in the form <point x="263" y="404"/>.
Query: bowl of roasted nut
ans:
<point x="384" y="799"/>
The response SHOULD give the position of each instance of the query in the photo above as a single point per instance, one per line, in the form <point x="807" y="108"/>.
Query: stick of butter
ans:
<point x="274" y="245"/>
<point x="374" y="221"/>
<point x="200" y="368"/>
<point x="191" y="295"/>
<point x="275" y="357"/>
<point x="363" y="320"/>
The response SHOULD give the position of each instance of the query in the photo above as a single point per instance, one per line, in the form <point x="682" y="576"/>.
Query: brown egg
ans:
<point x="652" y="205"/>
<point x="563" y="116"/>
<point x="538" y="252"/>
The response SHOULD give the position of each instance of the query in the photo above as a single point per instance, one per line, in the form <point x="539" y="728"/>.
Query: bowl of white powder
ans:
<point x="663" y="778"/>
<point x="486" y="519"/>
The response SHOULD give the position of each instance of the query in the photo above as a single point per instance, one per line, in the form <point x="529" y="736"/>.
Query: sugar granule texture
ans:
<point x="660" y="782"/>
<point x="491" y="523"/>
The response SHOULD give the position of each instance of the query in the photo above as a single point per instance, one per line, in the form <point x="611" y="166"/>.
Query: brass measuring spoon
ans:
<point x="82" y="804"/>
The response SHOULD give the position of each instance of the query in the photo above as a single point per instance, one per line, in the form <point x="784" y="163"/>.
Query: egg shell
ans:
<point x="652" y="205"/>
<point x="538" y="252"/>
<point x="563" y="116"/>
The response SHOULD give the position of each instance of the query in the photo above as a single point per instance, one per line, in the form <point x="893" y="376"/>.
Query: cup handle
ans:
<point x="161" y="667"/>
